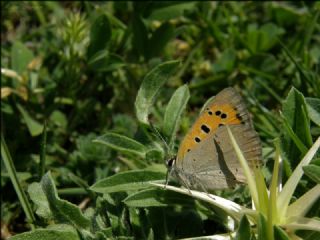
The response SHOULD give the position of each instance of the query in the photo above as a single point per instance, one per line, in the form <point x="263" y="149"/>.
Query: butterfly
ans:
<point x="206" y="159"/>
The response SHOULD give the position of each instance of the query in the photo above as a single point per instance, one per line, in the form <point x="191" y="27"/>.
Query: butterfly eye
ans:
<point x="170" y="162"/>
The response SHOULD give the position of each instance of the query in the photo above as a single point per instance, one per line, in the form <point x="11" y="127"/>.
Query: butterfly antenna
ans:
<point x="158" y="134"/>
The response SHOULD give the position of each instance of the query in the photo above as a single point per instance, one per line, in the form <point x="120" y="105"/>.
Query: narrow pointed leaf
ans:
<point x="302" y="223"/>
<point x="313" y="172"/>
<point x="172" y="116"/>
<point x="297" y="124"/>
<point x="100" y="35"/>
<point x="246" y="169"/>
<point x="280" y="234"/>
<point x="243" y="232"/>
<point x="313" y="107"/>
<point x="34" y="127"/>
<point x="301" y="206"/>
<point x="291" y="184"/>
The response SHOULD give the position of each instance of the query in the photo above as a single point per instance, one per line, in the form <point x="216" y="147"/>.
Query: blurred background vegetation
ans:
<point x="78" y="65"/>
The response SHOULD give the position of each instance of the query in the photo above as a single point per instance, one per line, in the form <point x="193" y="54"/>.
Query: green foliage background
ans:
<point x="77" y="66"/>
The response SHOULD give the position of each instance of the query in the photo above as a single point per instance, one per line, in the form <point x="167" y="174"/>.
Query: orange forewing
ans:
<point x="208" y="122"/>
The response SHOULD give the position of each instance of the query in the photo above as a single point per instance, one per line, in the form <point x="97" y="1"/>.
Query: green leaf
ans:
<point x="262" y="228"/>
<point x="243" y="232"/>
<point x="61" y="232"/>
<point x="122" y="144"/>
<point x="62" y="210"/>
<point x="172" y="116"/>
<point x="296" y="117"/>
<point x="263" y="38"/>
<point x="156" y="198"/>
<point x="127" y="181"/>
<point x="103" y="61"/>
<point x="21" y="56"/>
<point x="280" y="234"/>
<point x="226" y="62"/>
<point x="313" y="107"/>
<point x="313" y="172"/>
<point x="140" y="35"/>
<point x="34" y="127"/>
<point x="269" y="34"/>
<point x="173" y="10"/>
<point x="59" y="118"/>
<point x="39" y="198"/>
<point x="159" y="39"/>
<point x="150" y="86"/>
<point x="100" y="35"/>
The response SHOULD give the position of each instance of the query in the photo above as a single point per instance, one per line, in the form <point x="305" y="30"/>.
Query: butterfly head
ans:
<point x="171" y="162"/>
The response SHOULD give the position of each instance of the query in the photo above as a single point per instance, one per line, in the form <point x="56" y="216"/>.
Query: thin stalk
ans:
<point x="43" y="148"/>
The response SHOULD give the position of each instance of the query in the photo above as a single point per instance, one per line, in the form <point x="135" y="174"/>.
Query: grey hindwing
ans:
<point x="213" y="164"/>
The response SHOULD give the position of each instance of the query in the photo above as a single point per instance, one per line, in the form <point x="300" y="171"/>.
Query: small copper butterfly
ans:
<point x="206" y="159"/>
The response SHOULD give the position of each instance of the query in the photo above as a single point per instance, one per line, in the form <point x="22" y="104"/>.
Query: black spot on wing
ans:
<point x="205" y="128"/>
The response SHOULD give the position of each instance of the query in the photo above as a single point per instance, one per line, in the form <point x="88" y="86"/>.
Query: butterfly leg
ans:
<point x="169" y="172"/>
<point x="184" y="180"/>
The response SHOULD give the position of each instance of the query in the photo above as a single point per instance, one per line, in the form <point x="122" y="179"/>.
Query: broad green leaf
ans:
<point x="159" y="39"/>
<point x="122" y="144"/>
<point x="176" y="106"/>
<point x="280" y="234"/>
<point x="104" y="61"/>
<point x="127" y="181"/>
<point x="173" y="10"/>
<point x="59" y="118"/>
<point x="243" y="232"/>
<point x="226" y="61"/>
<point x="313" y="172"/>
<point x="61" y="232"/>
<point x="39" y="198"/>
<point x="155" y="155"/>
<point x="263" y="38"/>
<point x="313" y="107"/>
<point x="269" y="34"/>
<point x="100" y="35"/>
<point x="21" y="56"/>
<point x="156" y="198"/>
<point x="62" y="210"/>
<point x="150" y="86"/>
<point x="34" y="127"/>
